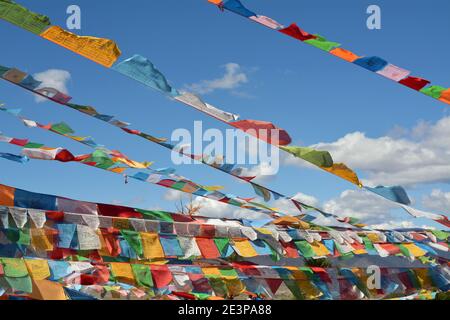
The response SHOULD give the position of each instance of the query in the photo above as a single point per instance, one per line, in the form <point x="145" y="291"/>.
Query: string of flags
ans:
<point x="48" y="253"/>
<point x="79" y="280"/>
<point x="143" y="70"/>
<point x="56" y="248"/>
<point x="396" y="194"/>
<point x="142" y="234"/>
<point x="372" y="63"/>
<point x="65" y="130"/>
<point x="162" y="177"/>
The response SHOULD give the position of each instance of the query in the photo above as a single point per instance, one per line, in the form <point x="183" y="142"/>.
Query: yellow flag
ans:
<point x="309" y="291"/>
<point x="424" y="278"/>
<point x="304" y="284"/>
<point x="319" y="249"/>
<point x="123" y="271"/>
<point x="103" y="251"/>
<point x="341" y="170"/>
<point x="48" y="290"/>
<point x="244" y="248"/>
<point x="213" y="188"/>
<point x="118" y="170"/>
<point x="234" y="285"/>
<point x="151" y="245"/>
<point x="38" y="269"/>
<point x="373" y="237"/>
<point x="100" y="50"/>
<point x="414" y="250"/>
<point x="294" y="222"/>
<point x="41" y="240"/>
<point x="211" y="271"/>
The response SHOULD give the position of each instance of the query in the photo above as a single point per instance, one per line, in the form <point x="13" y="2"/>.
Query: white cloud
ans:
<point x="371" y="209"/>
<point x="173" y="195"/>
<point x="233" y="78"/>
<point x="399" y="225"/>
<point x="215" y="209"/>
<point x="212" y="208"/>
<point x="286" y="206"/>
<point x="438" y="200"/>
<point x="53" y="78"/>
<point x="263" y="171"/>
<point x="307" y="199"/>
<point x="423" y="158"/>
<point x="360" y="204"/>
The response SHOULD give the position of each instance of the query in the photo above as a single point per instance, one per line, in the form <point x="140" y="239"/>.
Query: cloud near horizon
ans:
<point x="53" y="78"/>
<point x="233" y="78"/>
<point x="423" y="157"/>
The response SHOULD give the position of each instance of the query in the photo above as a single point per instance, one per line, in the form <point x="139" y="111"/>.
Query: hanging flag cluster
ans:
<point x="397" y="194"/>
<point x="161" y="177"/>
<point x="41" y="279"/>
<point x="85" y="254"/>
<point x="64" y="130"/>
<point x="145" y="239"/>
<point x="55" y="248"/>
<point x="143" y="70"/>
<point x="371" y="63"/>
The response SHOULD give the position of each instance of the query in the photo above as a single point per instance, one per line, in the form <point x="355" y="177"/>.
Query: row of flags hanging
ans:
<point x="50" y="252"/>
<point x="372" y="63"/>
<point x="42" y="279"/>
<point x="141" y="69"/>
<point x="396" y="195"/>
<point x="57" y="248"/>
<point x="152" y="234"/>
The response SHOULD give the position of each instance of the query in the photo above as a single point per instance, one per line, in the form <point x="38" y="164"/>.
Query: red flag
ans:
<point x="414" y="83"/>
<point x="161" y="276"/>
<point x="263" y="130"/>
<point x="294" y="31"/>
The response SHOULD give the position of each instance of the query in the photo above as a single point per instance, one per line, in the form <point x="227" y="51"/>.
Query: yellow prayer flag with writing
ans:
<point x="373" y="237"/>
<point x="151" y="245"/>
<point x="103" y="251"/>
<point x="234" y="285"/>
<point x="38" y="269"/>
<point x="41" y="240"/>
<point x="319" y="249"/>
<point x="211" y="271"/>
<point x="100" y="50"/>
<point x="245" y="249"/>
<point x="414" y="250"/>
<point x="48" y="290"/>
<point x="341" y="170"/>
<point x="123" y="271"/>
<point x="423" y="277"/>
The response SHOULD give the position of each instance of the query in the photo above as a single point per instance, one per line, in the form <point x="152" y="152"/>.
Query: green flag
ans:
<point x="142" y="275"/>
<point x="134" y="240"/>
<point x="305" y="249"/>
<point x="322" y="43"/>
<point x="318" y="158"/>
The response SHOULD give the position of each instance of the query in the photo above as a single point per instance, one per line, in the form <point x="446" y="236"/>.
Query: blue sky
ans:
<point x="314" y="96"/>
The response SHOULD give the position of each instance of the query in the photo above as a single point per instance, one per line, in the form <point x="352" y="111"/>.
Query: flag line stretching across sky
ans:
<point x="106" y="53"/>
<point x="394" y="194"/>
<point x="58" y="248"/>
<point x="371" y="63"/>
